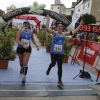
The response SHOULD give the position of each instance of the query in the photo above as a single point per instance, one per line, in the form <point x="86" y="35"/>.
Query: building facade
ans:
<point x="95" y="9"/>
<point x="84" y="6"/>
<point x="90" y="7"/>
<point x="60" y="8"/>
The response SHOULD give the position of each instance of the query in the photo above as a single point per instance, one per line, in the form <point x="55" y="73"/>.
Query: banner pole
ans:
<point x="82" y="73"/>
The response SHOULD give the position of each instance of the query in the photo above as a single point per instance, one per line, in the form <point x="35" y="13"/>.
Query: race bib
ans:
<point x="57" y="48"/>
<point x="25" y="41"/>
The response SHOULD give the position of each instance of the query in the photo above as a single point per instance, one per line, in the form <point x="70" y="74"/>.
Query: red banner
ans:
<point x="92" y="51"/>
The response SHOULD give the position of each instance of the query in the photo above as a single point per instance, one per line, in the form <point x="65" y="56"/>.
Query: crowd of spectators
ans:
<point x="90" y="36"/>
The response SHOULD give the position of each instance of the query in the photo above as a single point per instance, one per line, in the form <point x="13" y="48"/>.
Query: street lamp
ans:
<point x="43" y="26"/>
<point x="43" y="20"/>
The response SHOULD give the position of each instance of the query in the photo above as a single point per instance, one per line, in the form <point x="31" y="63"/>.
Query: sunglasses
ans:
<point x="25" y="23"/>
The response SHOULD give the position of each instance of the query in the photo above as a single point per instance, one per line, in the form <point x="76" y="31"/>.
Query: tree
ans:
<point x="88" y="19"/>
<point x="69" y="17"/>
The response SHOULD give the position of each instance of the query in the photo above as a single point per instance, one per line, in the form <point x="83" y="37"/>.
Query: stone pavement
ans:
<point x="94" y="87"/>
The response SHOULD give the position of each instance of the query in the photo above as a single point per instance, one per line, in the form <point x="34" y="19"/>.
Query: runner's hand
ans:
<point x="25" y="47"/>
<point x="38" y="48"/>
<point x="81" y="23"/>
<point x="47" y="17"/>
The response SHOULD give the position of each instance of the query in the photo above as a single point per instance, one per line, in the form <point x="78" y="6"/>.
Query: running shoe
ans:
<point x="60" y="84"/>
<point x="47" y="72"/>
<point x="21" y="70"/>
<point x="23" y="79"/>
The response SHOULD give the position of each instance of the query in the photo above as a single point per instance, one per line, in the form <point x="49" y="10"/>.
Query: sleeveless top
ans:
<point x="25" y="37"/>
<point x="58" y="44"/>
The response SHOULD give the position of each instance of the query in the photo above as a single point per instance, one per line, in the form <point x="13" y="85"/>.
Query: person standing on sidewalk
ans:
<point x="57" y="48"/>
<point x="23" y="38"/>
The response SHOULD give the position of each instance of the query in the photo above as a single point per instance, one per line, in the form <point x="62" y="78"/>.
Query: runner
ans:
<point x="23" y="37"/>
<point x="57" y="49"/>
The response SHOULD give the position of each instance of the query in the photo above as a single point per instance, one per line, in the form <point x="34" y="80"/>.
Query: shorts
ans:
<point x="22" y="50"/>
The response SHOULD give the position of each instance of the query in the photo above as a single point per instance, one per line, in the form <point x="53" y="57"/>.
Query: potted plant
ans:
<point x="48" y="42"/>
<point x="41" y="35"/>
<point x="67" y="48"/>
<point x="7" y="51"/>
<point x="38" y="34"/>
<point x="12" y="30"/>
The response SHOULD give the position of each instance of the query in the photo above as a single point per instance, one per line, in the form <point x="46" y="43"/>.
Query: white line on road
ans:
<point x="48" y="90"/>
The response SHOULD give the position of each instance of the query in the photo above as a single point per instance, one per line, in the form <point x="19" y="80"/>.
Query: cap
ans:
<point x="26" y="21"/>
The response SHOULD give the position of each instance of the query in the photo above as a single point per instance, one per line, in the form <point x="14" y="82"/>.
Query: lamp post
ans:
<point x="43" y="26"/>
<point x="43" y="20"/>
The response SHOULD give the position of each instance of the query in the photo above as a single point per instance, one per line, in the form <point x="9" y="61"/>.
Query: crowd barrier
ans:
<point x="92" y="51"/>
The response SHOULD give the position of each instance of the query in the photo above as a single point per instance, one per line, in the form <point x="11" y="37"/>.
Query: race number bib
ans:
<point x="25" y="41"/>
<point x="57" y="48"/>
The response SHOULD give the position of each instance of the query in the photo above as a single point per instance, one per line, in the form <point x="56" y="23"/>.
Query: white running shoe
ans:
<point x="23" y="79"/>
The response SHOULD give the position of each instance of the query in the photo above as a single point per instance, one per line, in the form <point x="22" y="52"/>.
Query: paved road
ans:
<point x="95" y="87"/>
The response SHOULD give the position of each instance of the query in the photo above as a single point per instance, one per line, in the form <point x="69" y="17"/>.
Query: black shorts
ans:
<point x="22" y="50"/>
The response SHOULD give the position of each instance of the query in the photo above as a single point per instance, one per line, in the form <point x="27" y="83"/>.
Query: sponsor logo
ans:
<point x="89" y="51"/>
<point x="36" y="8"/>
<point x="12" y="13"/>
